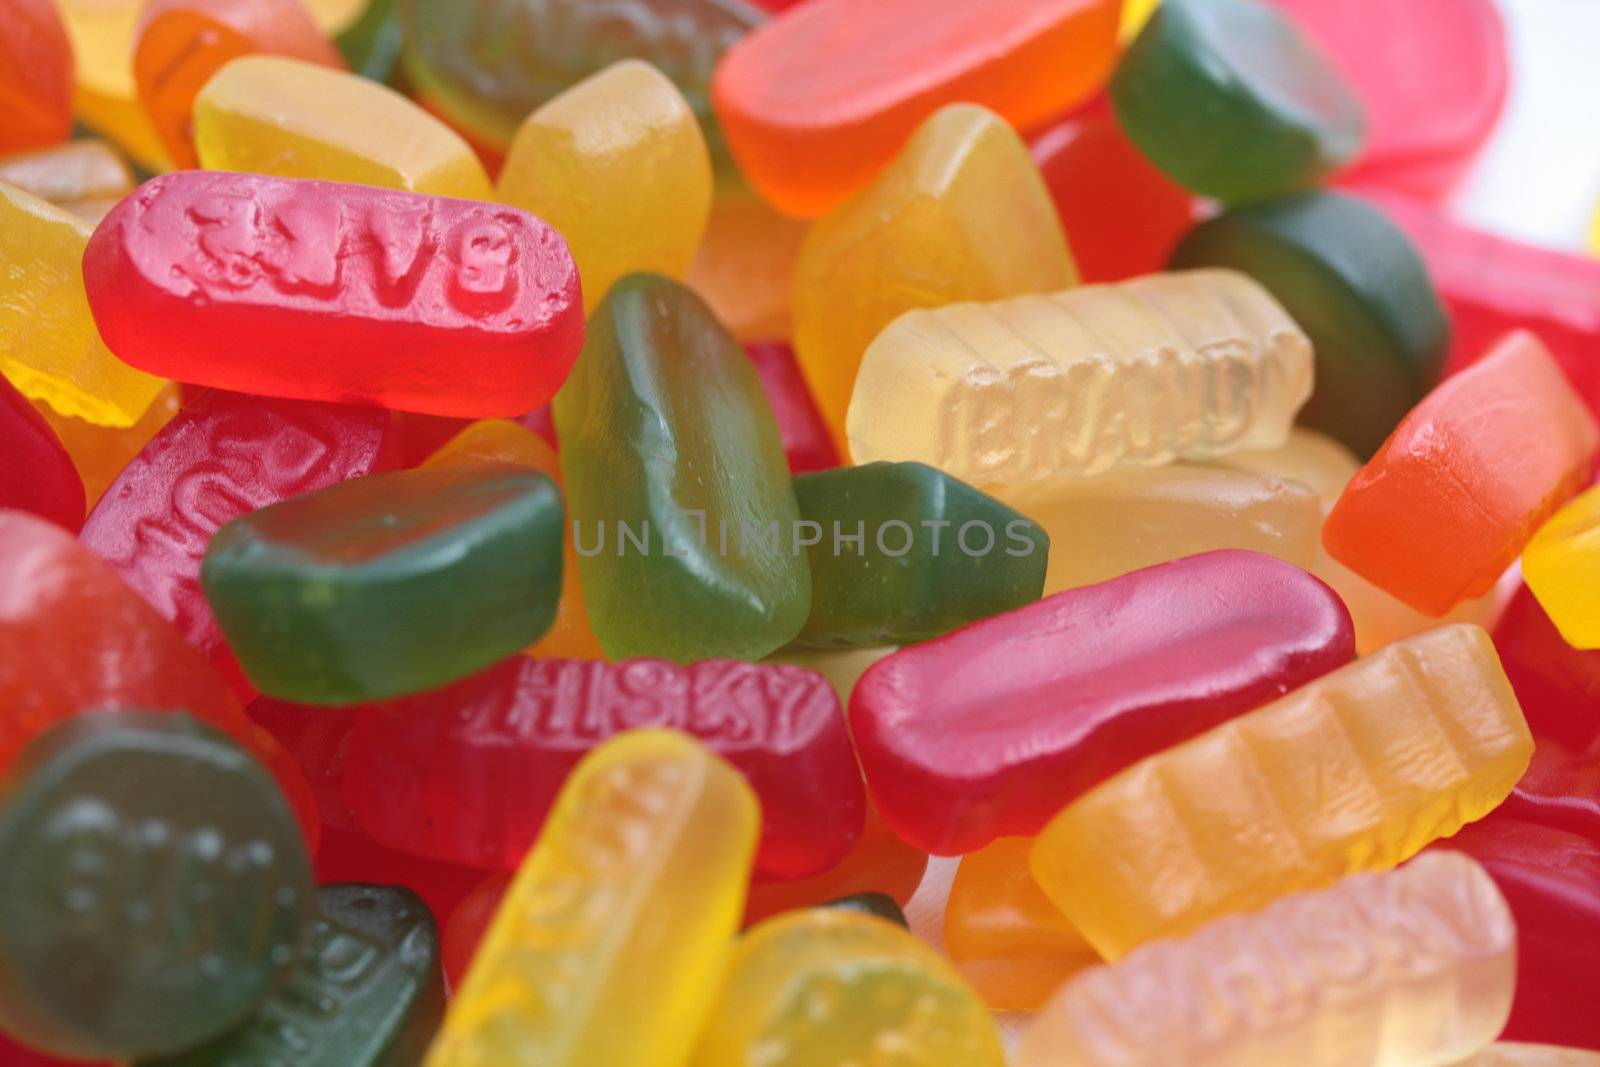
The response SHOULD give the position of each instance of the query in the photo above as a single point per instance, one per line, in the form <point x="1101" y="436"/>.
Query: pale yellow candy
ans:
<point x="618" y="164"/>
<point x="107" y="99"/>
<point x="960" y="214"/>
<point x="335" y="16"/>
<point x="1356" y="771"/>
<point x="1326" y="466"/>
<point x="1562" y="567"/>
<point x="1139" y="516"/>
<point x="49" y="346"/>
<point x="612" y="940"/>
<point x="1190" y="365"/>
<point x="293" y="119"/>
<point x="1397" y="969"/>
<point x="1510" y="1054"/>
<point x="829" y="987"/>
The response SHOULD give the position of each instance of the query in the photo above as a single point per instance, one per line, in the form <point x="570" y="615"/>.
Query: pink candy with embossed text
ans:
<point x="346" y="293"/>
<point x="467" y="774"/>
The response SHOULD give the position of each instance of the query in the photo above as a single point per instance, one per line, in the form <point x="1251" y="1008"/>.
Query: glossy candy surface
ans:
<point x="614" y="935"/>
<point x="179" y="906"/>
<point x="1169" y="366"/>
<point x="1103" y="527"/>
<point x="180" y="44"/>
<point x="667" y="438"/>
<point x="1402" y="967"/>
<point x="1232" y="101"/>
<point x="1354" y="772"/>
<point x="49" y="348"/>
<point x="222" y="456"/>
<point x="745" y="265"/>
<point x="365" y="990"/>
<point x="294" y="119"/>
<point x="929" y="554"/>
<point x="1551" y="879"/>
<point x="1008" y="940"/>
<point x="100" y="453"/>
<point x="73" y="638"/>
<point x="618" y="165"/>
<point x="468" y="773"/>
<point x="959" y="214"/>
<point x="348" y="293"/>
<point x="826" y="986"/>
<point x="489" y="63"/>
<point x="990" y="731"/>
<point x="1354" y="283"/>
<point x="806" y="438"/>
<point x="879" y="863"/>
<point x="502" y="441"/>
<point x="1488" y="455"/>
<point x="817" y="102"/>
<point x="1557" y="685"/>
<point x="389" y="584"/>
<point x="1560" y="564"/>
<point x="84" y="177"/>
<point x="1431" y="75"/>
<point x="1123" y="217"/>
<point x="35" y="75"/>
<point x="36" y="474"/>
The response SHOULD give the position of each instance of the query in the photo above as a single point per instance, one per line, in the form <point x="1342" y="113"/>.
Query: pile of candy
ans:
<point x="436" y="626"/>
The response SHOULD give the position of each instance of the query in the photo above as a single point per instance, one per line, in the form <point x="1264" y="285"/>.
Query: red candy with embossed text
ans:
<point x="467" y="774"/>
<point x="989" y="731"/>
<point x="222" y="456"/>
<point x="327" y="291"/>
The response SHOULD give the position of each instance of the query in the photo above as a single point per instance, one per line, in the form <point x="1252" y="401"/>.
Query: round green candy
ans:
<point x="1232" y="101"/>
<point x="153" y="886"/>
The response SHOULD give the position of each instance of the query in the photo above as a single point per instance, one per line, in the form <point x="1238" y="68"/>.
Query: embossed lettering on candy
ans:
<point x="327" y="291"/>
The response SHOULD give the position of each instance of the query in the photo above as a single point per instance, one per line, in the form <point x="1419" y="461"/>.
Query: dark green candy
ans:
<point x="1357" y="287"/>
<point x="935" y="554"/>
<point x="683" y="514"/>
<point x="366" y="990"/>
<point x="389" y="584"/>
<point x="880" y="904"/>
<point x="153" y="886"/>
<point x="1231" y="100"/>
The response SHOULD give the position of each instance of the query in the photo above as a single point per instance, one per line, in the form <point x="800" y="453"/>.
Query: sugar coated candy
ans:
<point x="990" y="731"/>
<point x="161" y="860"/>
<point x="960" y="213"/>
<point x="619" y="166"/>
<point x="826" y="986"/>
<point x="293" y="119"/>
<point x="1231" y="100"/>
<point x="365" y="990"/>
<point x="468" y="773"/>
<point x="36" y="474"/>
<point x="49" y="348"/>
<point x="1356" y="771"/>
<point x="1136" y="517"/>
<point x="389" y="584"/>
<point x="347" y="293"/>
<point x="1357" y="288"/>
<point x="1169" y="366"/>
<point x="611" y="942"/>
<point x="683" y="514"/>
<point x="816" y="102"/>
<point x="1489" y="455"/>
<point x="180" y="44"/>
<point x="1414" y="966"/>
<point x="35" y="75"/>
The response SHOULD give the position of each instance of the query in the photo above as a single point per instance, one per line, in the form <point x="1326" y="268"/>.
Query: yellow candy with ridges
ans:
<point x="618" y="164"/>
<point x="293" y="119"/>
<point x="611" y="941"/>
<point x="827" y="987"/>
<point x="1562" y="567"/>
<point x="961" y="214"/>
<point x="1357" y="771"/>
<point x="49" y="346"/>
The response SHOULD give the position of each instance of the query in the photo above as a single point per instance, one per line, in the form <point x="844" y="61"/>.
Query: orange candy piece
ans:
<point x="1457" y="490"/>
<point x="879" y="863"/>
<point x="180" y="44"/>
<point x="818" y="100"/>
<point x="35" y="75"/>
<point x="1010" y="942"/>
